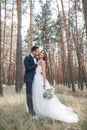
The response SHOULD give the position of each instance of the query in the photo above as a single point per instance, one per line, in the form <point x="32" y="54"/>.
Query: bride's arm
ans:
<point x="44" y="73"/>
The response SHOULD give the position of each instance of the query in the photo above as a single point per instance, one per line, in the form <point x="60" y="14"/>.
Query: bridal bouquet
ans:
<point x="49" y="92"/>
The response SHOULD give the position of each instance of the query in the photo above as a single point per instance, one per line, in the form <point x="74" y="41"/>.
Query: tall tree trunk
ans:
<point x="84" y="3"/>
<point x="19" y="81"/>
<point x="31" y="29"/>
<point x="10" y="56"/>
<point x="79" y="52"/>
<point x="4" y="42"/>
<point x="62" y="46"/>
<point x="50" y="68"/>
<point x="70" y="63"/>
<point x="63" y="56"/>
<point x="1" y="89"/>
<point x="68" y="70"/>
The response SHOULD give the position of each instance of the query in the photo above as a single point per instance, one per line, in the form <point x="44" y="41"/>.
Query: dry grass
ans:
<point x="13" y="115"/>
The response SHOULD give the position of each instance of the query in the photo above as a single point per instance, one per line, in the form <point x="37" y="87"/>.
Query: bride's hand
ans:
<point x="40" y="63"/>
<point x="44" y="86"/>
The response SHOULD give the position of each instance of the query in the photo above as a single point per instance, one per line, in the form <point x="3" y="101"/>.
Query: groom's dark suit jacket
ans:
<point x="30" y="67"/>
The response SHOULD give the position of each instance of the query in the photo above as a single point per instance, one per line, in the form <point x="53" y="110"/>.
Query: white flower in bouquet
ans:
<point x="49" y="92"/>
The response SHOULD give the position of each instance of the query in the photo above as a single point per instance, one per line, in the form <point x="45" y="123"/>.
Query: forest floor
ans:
<point x="13" y="115"/>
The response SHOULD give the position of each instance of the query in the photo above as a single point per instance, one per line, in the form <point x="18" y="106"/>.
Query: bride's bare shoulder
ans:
<point x="44" y="63"/>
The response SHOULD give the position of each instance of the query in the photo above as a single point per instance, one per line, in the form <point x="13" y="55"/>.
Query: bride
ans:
<point x="50" y="108"/>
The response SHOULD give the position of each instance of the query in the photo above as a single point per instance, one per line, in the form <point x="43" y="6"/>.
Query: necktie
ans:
<point x="34" y="56"/>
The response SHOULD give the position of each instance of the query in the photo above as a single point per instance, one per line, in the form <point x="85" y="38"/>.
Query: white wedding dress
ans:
<point x="50" y="108"/>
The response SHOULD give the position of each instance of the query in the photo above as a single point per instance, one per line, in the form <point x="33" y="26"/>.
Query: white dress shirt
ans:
<point x="35" y="60"/>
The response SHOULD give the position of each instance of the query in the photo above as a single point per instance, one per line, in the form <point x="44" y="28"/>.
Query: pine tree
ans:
<point x="1" y="89"/>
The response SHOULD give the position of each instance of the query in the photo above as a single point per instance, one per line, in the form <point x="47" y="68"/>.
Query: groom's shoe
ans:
<point x="35" y="117"/>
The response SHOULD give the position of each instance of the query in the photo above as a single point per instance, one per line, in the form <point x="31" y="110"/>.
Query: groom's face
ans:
<point x="37" y="52"/>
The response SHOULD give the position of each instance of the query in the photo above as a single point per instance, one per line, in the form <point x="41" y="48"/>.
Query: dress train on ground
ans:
<point x="50" y="108"/>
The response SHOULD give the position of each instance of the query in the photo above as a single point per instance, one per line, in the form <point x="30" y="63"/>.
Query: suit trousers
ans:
<point x="29" y="97"/>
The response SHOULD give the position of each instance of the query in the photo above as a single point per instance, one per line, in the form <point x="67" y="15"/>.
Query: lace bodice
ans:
<point x="38" y="69"/>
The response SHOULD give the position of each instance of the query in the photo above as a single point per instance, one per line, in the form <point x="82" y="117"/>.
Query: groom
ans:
<point x="30" y="63"/>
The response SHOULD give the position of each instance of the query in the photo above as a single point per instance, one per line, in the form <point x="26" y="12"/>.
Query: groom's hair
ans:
<point x="34" y="48"/>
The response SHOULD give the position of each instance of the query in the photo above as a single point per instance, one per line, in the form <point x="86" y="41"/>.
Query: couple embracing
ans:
<point x="36" y="84"/>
